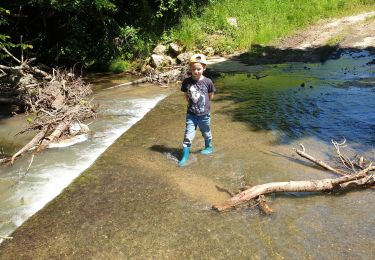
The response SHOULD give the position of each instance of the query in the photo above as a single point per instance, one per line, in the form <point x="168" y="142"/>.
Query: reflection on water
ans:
<point x="330" y="100"/>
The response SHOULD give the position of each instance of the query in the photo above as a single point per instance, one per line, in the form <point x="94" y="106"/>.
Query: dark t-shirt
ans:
<point x="199" y="103"/>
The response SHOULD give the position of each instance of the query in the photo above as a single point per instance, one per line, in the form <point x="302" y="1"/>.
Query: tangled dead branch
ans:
<point x="359" y="174"/>
<point x="56" y="101"/>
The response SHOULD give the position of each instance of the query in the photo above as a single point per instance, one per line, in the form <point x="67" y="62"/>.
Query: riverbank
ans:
<point x="232" y="26"/>
<point x="313" y="44"/>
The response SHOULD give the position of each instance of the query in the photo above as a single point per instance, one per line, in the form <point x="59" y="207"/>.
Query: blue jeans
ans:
<point x="192" y="121"/>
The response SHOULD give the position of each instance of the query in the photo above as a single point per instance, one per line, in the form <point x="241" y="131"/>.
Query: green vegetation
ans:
<point x="119" y="65"/>
<point x="94" y="33"/>
<point x="370" y="18"/>
<point x="113" y="33"/>
<point x="335" y="40"/>
<point x="5" y="41"/>
<point x="258" y="21"/>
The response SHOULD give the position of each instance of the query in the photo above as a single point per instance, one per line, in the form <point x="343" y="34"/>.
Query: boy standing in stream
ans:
<point x="199" y="90"/>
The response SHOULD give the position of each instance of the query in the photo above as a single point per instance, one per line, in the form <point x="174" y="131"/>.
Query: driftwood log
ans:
<point x="34" y="142"/>
<point x="364" y="178"/>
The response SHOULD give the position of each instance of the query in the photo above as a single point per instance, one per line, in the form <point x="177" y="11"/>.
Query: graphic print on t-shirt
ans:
<point x="197" y="96"/>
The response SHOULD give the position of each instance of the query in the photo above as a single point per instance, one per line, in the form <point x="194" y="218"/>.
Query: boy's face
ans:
<point x="197" y="70"/>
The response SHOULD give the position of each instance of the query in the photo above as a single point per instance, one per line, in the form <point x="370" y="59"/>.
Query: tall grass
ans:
<point x="259" y="21"/>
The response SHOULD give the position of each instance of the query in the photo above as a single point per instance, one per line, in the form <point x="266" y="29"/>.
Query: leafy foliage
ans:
<point x="5" y="40"/>
<point x="101" y="32"/>
<point x="93" y="32"/>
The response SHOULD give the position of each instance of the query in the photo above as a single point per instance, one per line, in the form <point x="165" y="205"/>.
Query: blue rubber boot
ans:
<point x="185" y="156"/>
<point x="207" y="147"/>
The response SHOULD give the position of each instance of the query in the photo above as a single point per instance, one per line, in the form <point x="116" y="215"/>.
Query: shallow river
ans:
<point x="24" y="192"/>
<point x="139" y="204"/>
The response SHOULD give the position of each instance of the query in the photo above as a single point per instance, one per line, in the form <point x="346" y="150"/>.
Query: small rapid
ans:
<point x="33" y="181"/>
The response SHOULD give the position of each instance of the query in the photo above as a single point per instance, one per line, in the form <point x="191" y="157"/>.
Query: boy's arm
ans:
<point x="184" y="88"/>
<point x="211" y="90"/>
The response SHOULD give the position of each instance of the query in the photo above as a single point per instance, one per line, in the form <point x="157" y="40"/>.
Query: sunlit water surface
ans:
<point x="24" y="192"/>
<point x="333" y="100"/>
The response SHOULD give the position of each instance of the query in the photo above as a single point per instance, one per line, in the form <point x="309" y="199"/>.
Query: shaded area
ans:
<point x="260" y="54"/>
<point x="172" y="152"/>
<point x="6" y="110"/>
<point x="97" y="31"/>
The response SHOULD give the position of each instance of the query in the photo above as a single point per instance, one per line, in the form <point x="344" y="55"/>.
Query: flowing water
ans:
<point x="134" y="202"/>
<point x="33" y="181"/>
<point x="330" y="100"/>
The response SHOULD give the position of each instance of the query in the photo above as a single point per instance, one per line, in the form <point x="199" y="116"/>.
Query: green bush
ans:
<point x="118" y="66"/>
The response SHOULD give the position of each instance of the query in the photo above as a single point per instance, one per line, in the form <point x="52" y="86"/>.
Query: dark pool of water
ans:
<point x="331" y="100"/>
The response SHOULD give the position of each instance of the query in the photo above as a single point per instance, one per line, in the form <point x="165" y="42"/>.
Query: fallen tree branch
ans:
<point x="30" y="144"/>
<point x="57" y="105"/>
<point x="296" y="186"/>
<point x="263" y="205"/>
<point x="171" y="75"/>
<point x="303" y="154"/>
<point x="31" y="162"/>
<point x="134" y="82"/>
<point x="344" y="159"/>
<point x="362" y="179"/>
<point x="11" y="55"/>
<point x="54" y="135"/>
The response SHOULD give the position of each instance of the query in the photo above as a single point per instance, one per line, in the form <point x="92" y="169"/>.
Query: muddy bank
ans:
<point x="135" y="202"/>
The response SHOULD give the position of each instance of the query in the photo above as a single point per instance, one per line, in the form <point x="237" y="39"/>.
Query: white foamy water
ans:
<point x="25" y="192"/>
